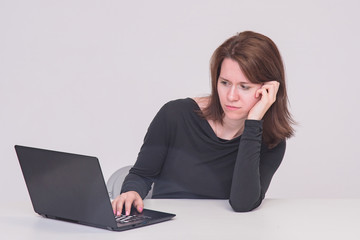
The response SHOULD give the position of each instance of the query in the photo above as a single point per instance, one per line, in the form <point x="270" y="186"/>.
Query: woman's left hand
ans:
<point x="267" y="94"/>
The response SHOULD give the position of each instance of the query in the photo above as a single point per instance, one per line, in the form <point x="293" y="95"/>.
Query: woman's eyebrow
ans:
<point x="231" y="81"/>
<point x="224" y="79"/>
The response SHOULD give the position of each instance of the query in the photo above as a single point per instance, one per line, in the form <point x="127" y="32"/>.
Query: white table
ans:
<point x="288" y="219"/>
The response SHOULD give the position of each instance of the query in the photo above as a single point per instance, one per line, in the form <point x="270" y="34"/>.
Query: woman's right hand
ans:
<point x="127" y="199"/>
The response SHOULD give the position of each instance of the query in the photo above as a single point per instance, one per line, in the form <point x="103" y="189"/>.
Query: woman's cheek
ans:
<point x="254" y="101"/>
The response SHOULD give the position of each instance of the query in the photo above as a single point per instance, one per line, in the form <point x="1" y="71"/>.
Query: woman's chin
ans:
<point x="235" y="117"/>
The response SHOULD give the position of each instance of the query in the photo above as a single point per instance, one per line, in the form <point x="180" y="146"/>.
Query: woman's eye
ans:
<point x="225" y="83"/>
<point x="245" y="87"/>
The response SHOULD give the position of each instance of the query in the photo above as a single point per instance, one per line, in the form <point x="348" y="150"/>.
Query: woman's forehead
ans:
<point x="231" y="71"/>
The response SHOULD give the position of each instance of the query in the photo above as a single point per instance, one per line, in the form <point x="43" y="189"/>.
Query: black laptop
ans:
<point x="71" y="187"/>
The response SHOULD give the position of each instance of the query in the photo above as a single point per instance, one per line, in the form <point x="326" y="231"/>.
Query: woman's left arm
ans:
<point x="254" y="168"/>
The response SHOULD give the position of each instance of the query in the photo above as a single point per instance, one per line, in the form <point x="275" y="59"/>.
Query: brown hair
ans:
<point x="260" y="61"/>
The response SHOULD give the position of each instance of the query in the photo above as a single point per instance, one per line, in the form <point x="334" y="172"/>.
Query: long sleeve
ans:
<point x="254" y="168"/>
<point x="151" y="156"/>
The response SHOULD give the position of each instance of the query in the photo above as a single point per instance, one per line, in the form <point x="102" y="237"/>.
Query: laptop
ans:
<point x="71" y="187"/>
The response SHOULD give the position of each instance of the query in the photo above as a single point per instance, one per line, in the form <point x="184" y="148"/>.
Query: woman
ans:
<point x="225" y="146"/>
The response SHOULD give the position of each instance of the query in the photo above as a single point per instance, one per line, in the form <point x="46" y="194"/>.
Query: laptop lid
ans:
<point x="71" y="187"/>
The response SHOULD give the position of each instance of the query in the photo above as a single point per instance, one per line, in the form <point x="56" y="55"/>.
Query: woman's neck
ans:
<point x="229" y="129"/>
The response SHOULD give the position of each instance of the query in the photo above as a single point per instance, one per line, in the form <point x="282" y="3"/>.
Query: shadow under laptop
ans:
<point x="53" y="226"/>
<point x="35" y="225"/>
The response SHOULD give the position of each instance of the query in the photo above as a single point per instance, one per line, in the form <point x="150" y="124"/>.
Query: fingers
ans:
<point x="273" y="89"/>
<point x="260" y="92"/>
<point x="117" y="204"/>
<point x="128" y="204"/>
<point x="139" y="204"/>
<point x="126" y="201"/>
<point x="266" y="96"/>
<point x="268" y="91"/>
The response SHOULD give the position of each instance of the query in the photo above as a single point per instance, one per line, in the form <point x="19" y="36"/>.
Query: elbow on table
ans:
<point x="241" y="207"/>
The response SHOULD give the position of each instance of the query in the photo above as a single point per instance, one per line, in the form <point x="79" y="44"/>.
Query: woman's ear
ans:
<point x="258" y="91"/>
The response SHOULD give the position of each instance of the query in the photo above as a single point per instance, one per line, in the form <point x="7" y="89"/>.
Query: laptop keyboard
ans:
<point x="131" y="218"/>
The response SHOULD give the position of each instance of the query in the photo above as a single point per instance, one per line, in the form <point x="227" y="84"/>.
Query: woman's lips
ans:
<point x="229" y="107"/>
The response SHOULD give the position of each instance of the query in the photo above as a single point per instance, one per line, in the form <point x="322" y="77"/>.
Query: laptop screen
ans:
<point x="66" y="186"/>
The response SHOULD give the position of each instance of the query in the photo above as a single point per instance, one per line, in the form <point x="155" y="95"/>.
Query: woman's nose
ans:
<point x="233" y="94"/>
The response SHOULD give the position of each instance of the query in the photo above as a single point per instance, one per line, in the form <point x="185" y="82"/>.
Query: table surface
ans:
<point x="204" y="219"/>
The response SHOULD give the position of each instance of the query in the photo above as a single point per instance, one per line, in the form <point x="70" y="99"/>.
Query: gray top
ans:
<point x="185" y="159"/>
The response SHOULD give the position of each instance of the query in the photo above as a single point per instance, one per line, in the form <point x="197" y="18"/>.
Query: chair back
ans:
<point x="116" y="180"/>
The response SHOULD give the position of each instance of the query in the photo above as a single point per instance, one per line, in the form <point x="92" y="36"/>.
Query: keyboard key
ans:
<point x="130" y="218"/>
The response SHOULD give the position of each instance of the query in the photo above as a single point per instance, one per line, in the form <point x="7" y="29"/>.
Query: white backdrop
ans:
<point x="88" y="76"/>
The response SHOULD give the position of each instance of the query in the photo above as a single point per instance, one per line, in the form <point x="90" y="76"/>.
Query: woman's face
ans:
<point x="236" y="92"/>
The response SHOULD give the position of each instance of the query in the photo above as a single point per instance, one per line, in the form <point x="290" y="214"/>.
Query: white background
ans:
<point x="88" y="77"/>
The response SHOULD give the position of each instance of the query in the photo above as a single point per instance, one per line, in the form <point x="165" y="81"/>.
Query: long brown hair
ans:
<point x="260" y="61"/>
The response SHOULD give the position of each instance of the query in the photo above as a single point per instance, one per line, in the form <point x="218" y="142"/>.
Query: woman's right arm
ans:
<point x="152" y="154"/>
